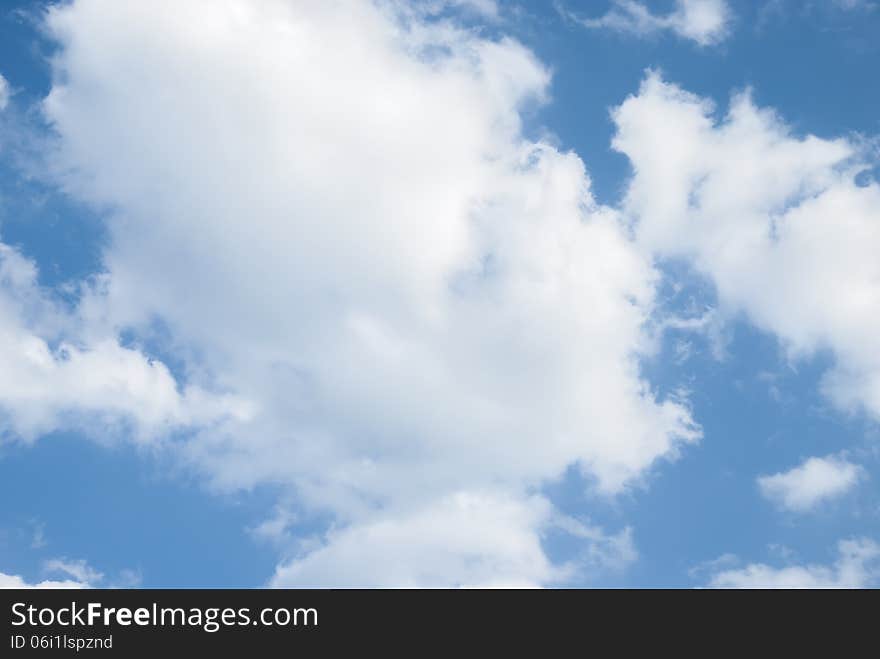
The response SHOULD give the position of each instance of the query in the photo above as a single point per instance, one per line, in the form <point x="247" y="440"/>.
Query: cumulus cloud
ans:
<point x="776" y="221"/>
<point x="475" y="539"/>
<point x="816" y="480"/>
<point x="857" y="566"/>
<point x="483" y="539"/>
<point x="705" y="22"/>
<point x="333" y="209"/>
<point x="56" y="376"/>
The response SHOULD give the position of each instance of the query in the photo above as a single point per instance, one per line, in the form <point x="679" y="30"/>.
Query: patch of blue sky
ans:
<point x="122" y="510"/>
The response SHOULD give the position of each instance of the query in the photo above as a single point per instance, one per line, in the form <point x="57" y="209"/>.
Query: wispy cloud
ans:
<point x="4" y="93"/>
<point x="855" y="5"/>
<point x="79" y="570"/>
<point x="705" y="22"/>
<point x="38" y="537"/>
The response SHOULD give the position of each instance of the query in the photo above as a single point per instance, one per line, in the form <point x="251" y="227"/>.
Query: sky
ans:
<point x="439" y="294"/>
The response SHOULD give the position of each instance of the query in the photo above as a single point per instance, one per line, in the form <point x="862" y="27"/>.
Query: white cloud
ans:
<point x="468" y="540"/>
<point x="57" y="375"/>
<point x="722" y="563"/>
<point x="601" y="551"/>
<point x="465" y="539"/>
<point x="80" y="573"/>
<point x="4" y="93"/>
<point x="857" y="566"/>
<point x="331" y="206"/>
<point x="775" y="221"/>
<point x="79" y="570"/>
<point x="706" y="22"/>
<point x="14" y="581"/>
<point x="816" y="480"/>
<point x="278" y="528"/>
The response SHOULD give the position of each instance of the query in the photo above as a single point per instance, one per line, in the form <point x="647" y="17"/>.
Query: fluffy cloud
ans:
<point x="857" y="566"/>
<point x="704" y="21"/>
<point x="777" y="222"/>
<point x="333" y="209"/>
<point x="55" y="375"/>
<point x="483" y="539"/>
<point x="475" y="539"/>
<point x="816" y="480"/>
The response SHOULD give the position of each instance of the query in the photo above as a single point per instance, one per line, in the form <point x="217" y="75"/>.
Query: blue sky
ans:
<point x="440" y="294"/>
